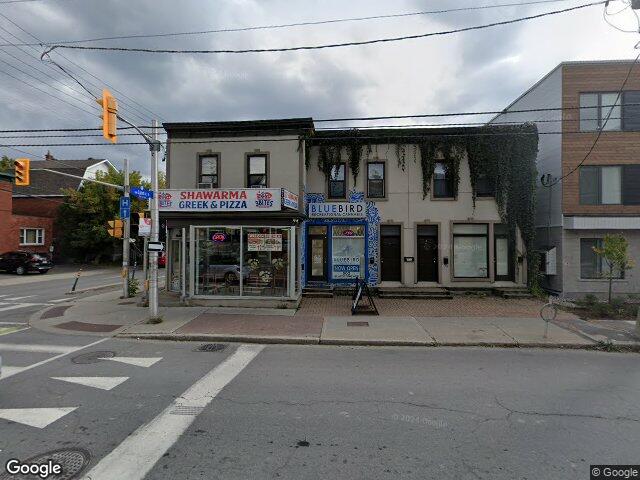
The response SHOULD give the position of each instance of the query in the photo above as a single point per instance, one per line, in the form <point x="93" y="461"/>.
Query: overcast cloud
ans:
<point x="481" y="70"/>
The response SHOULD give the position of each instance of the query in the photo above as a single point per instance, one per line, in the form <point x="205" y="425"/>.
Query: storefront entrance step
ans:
<point x="283" y="312"/>
<point x="414" y="292"/>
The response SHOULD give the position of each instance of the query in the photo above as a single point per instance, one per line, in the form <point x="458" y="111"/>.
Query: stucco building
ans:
<point x="252" y="218"/>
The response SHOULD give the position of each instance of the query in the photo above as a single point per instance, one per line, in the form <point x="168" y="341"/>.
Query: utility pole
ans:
<point x="126" y="245"/>
<point x="154" y="146"/>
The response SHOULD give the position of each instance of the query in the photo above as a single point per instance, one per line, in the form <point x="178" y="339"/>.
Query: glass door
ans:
<point x="317" y="253"/>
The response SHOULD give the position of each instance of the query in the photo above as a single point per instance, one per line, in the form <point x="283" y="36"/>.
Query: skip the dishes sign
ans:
<point x="221" y="200"/>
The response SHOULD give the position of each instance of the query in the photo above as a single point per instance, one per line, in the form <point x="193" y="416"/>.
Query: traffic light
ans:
<point x="109" y="116"/>
<point x="21" y="166"/>
<point x="115" y="228"/>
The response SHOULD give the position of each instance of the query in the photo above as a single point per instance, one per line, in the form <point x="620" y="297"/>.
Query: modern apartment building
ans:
<point x="255" y="211"/>
<point x="588" y="170"/>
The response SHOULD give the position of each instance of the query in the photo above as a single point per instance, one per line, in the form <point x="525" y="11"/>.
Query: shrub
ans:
<point x="134" y="287"/>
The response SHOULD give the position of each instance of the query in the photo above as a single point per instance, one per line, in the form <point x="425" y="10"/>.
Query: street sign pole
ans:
<point x="153" y="255"/>
<point x="125" y="237"/>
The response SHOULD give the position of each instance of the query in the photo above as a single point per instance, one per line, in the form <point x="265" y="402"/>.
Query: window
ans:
<point x="375" y="180"/>
<point x="470" y="250"/>
<point x="631" y="185"/>
<point x="484" y="186"/>
<point x="592" y="266"/>
<point x="594" y="110"/>
<point x="631" y="111"/>
<point x="32" y="236"/>
<point x="442" y="182"/>
<point x="257" y="171"/>
<point x="337" y="181"/>
<point x="347" y="252"/>
<point x="208" y="170"/>
<point x="601" y="185"/>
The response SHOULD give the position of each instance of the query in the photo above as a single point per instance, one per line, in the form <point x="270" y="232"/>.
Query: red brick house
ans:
<point x="31" y="233"/>
<point x="34" y="209"/>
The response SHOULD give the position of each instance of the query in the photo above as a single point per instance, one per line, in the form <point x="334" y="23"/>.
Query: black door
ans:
<point x="427" y="253"/>
<point x="317" y="253"/>
<point x="390" y="253"/>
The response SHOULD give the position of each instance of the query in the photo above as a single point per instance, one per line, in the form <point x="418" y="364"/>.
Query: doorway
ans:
<point x="390" y="253"/>
<point x="317" y="253"/>
<point x="427" y="245"/>
<point x="503" y="258"/>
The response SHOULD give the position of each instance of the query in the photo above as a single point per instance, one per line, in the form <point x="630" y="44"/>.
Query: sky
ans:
<point x="471" y="71"/>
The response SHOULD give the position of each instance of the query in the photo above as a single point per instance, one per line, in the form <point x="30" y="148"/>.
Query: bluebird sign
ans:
<point x="141" y="193"/>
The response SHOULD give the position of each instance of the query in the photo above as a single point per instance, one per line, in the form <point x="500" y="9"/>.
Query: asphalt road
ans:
<point x="165" y="411"/>
<point x="22" y="296"/>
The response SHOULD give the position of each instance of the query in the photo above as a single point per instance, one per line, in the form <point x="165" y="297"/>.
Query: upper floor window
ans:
<point x="610" y="185"/>
<point x="375" y="179"/>
<point x="600" y="185"/>
<point x="484" y="186"/>
<point x="208" y="171"/>
<point x="257" y="171"/>
<point x="443" y="186"/>
<point x="338" y="181"/>
<point x="32" y="236"/>
<point x="623" y="111"/>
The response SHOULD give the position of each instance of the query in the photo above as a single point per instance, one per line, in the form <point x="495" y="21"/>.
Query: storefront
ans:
<point x="340" y="241"/>
<point x="232" y="243"/>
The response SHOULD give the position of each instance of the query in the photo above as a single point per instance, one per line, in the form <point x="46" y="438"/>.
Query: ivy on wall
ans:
<point x="502" y="155"/>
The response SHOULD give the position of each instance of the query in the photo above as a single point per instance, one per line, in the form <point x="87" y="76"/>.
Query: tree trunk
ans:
<point x="610" y="282"/>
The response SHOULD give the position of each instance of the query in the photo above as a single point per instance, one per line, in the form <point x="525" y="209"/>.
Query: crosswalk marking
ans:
<point x="35" y="417"/>
<point x="75" y="349"/>
<point x="19" y="347"/>
<point x="137" y="361"/>
<point x="103" y="383"/>
<point x="13" y="306"/>
<point x="141" y="450"/>
<point x="15" y="299"/>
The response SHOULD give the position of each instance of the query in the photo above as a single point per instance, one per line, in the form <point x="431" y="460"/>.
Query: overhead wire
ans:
<point x="329" y="45"/>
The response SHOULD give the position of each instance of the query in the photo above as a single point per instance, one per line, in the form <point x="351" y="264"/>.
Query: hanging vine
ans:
<point x="503" y="156"/>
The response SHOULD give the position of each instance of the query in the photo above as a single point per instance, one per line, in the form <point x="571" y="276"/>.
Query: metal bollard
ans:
<point x="75" y="282"/>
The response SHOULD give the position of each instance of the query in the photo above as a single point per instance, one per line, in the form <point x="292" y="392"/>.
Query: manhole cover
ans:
<point x="211" y="347"/>
<point x="92" y="357"/>
<point x="72" y="460"/>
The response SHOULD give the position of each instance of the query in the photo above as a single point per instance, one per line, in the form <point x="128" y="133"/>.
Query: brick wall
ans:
<point x="39" y="207"/>
<point x="10" y="225"/>
<point x="613" y="148"/>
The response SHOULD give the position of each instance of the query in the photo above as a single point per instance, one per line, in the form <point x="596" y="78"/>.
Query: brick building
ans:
<point x="41" y="200"/>
<point x="598" y="191"/>
<point x="31" y="233"/>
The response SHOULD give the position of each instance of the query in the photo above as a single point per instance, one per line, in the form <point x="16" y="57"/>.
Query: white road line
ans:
<point x="14" y="323"/>
<point x="35" y="417"/>
<point x="15" y="299"/>
<point x="34" y="365"/>
<point x="11" y="331"/>
<point x="5" y="295"/>
<point x="60" y="300"/>
<point x="20" y="305"/>
<point x="141" y="450"/>
<point x="145" y="362"/>
<point x="103" y="383"/>
<point x="28" y="347"/>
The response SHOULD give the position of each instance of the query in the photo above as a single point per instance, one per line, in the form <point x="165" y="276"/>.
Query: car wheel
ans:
<point x="21" y="270"/>
<point x="230" y="277"/>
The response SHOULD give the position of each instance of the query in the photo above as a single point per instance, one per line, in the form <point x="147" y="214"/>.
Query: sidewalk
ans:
<point x="108" y="315"/>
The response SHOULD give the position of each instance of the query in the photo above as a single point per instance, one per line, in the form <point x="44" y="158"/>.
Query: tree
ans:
<point x="615" y="254"/>
<point x="6" y="164"/>
<point x="82" y="220"/>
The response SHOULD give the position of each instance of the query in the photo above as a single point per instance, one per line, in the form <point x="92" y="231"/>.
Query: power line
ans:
<point x="330" y="45"/>
<point x="301" y="24"/>
<point x="595" y="142"/>
<point x="122" y="94"/>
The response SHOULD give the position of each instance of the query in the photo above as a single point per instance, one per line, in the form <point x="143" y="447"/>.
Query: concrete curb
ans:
<point x="369" y="343"/>
<point x="94" y="289"/>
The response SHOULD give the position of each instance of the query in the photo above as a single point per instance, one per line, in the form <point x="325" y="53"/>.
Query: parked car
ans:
<point x="23" y="262"/>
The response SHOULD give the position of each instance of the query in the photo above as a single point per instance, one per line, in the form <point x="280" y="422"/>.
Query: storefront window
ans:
<point x="266" y="262"/>
<point x="257" y="266"/>
<point x="470" y="250"/>
<point x="348" y="261"/>
<point x="217" y="261"/>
